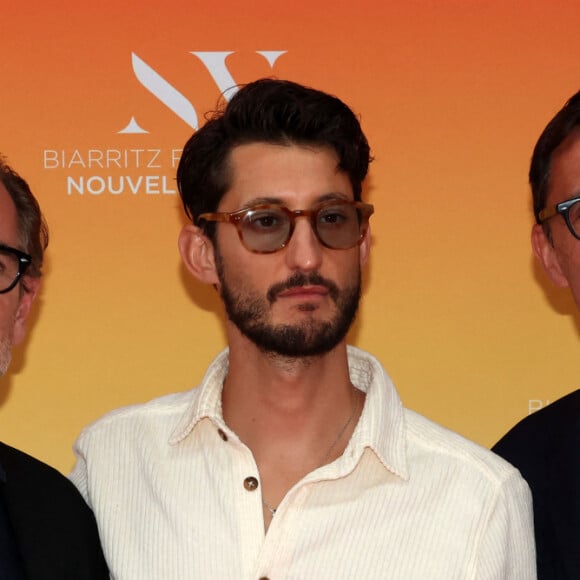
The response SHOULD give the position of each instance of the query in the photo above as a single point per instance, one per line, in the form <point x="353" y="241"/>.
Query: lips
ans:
<point x="304" y="291"/>
<point x="306" y="285"/>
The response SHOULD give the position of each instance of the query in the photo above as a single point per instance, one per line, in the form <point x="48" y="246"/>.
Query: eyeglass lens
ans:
<point x="574" y="218"/>
<point x="9" y="269"/>
<point x="337" y="226"/>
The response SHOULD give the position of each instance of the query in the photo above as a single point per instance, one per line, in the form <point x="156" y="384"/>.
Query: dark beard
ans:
<point x="304" y="339"/>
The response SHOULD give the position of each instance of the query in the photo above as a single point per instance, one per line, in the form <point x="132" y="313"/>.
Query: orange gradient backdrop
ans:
<point x="452" y="96"/>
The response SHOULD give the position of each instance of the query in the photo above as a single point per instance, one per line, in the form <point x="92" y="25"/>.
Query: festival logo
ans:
<point x="109" y="170"/>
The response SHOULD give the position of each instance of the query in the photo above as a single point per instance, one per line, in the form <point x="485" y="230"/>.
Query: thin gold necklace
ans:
<point x="271" y="509"/>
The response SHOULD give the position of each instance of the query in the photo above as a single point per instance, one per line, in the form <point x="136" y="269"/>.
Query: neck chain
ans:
<point x="269" y="507"/>
<point x="327" y="455"/>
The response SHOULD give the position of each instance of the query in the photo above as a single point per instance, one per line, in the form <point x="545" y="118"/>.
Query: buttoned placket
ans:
<point x="262" y="553"/>
<point x="265" y="555"/>
<point x="247" y="496"/>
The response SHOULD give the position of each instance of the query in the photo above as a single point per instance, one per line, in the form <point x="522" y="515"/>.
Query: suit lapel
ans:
<point x="11" y="567"/>
<point x="564" y="495"/>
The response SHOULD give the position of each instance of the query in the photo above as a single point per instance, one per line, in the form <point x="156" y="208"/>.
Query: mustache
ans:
<point x="299" y="279"/>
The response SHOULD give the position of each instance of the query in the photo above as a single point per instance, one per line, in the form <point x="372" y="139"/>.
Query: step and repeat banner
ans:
<point x="97" y="100"/>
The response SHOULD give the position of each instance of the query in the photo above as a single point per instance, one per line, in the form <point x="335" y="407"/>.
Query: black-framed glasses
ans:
<point x="13" y="265"/>
<point x="267" y="228"/>
<point x="570" y="210"/>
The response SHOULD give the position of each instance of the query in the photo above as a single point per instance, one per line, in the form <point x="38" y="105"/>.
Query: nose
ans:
<point x="304" y="251"/>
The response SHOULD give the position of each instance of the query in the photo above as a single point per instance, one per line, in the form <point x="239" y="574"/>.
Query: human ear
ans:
<point x="197" y="254"/>
<point x="547" y="256"/>
<point x="24" y="305"/>
<point x="365" y="246"/>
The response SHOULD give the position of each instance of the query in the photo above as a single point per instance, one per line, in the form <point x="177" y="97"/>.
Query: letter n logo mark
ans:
<point x="174" y="100"/>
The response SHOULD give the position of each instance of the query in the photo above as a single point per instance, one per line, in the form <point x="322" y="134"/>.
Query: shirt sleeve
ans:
<point x="507" y="548"/>
<point x="79" y="475"/>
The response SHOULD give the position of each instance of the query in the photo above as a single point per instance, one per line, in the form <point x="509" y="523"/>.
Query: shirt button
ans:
<point x="222" y="434"/>
<point x="251" y="483"/>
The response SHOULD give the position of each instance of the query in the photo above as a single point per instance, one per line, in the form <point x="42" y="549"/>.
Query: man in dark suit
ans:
<point x="545" y="446"/>
<point x="46" y="529"/>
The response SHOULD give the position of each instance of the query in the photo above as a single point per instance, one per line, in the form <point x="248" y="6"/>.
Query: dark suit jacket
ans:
<point x="545" y="447"/>
<point x="53" y="529"/>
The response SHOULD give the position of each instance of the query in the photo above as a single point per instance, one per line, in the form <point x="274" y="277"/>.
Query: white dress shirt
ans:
<point x="171" y="488"/>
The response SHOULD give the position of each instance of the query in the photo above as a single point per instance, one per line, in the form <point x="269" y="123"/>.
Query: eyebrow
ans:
<point x="5" y="246"/>
<point x="332" y="196"/>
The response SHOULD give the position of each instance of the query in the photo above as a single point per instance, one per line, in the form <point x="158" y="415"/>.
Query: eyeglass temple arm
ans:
<point x="548" y="213"/>
<point x="217" y="217"/>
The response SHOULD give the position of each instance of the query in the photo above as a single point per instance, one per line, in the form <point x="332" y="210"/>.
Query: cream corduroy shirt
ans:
<point x="168" y="482"/>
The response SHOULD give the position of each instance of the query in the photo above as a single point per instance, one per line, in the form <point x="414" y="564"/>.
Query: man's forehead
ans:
<point x="568" y="144"/>
<point x="565" y="169"/>
<point x="8" y="218"/>
<point x="266" y="170"/>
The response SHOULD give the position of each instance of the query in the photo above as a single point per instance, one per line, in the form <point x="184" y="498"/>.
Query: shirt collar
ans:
<point x="206" y="401"/>
<point x="380" y="428"/>
<point x="382" y="423"/>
